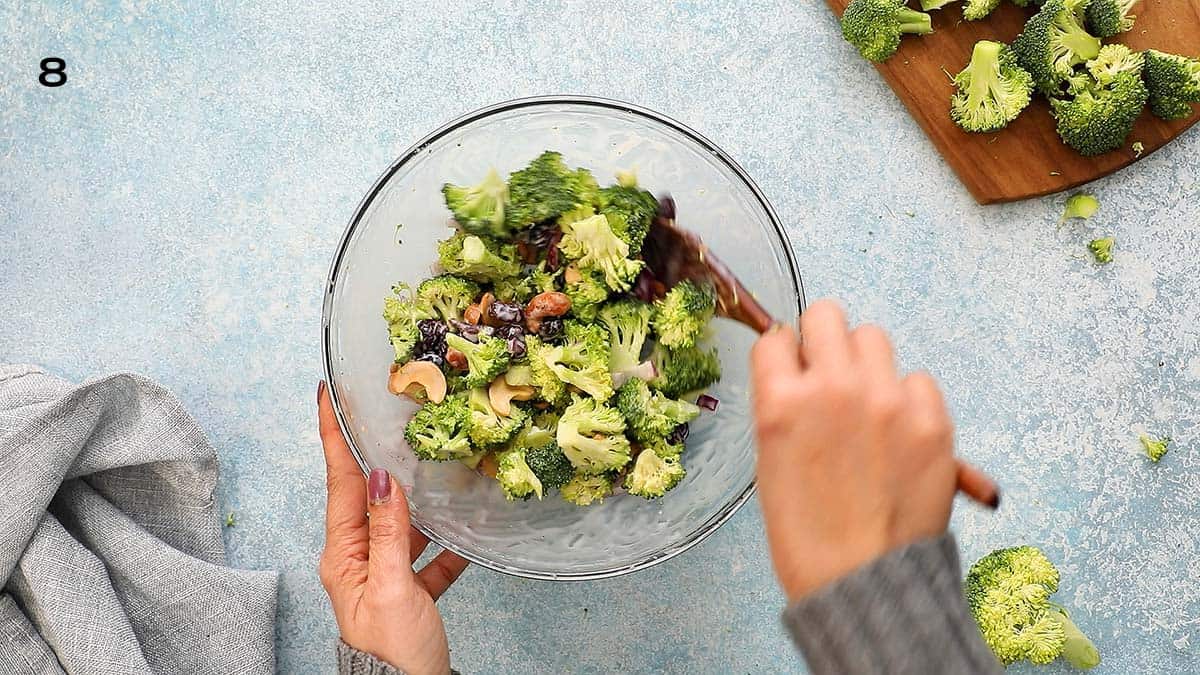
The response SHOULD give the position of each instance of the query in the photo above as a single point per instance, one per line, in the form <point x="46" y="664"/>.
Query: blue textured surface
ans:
<point x="173" y="208"/>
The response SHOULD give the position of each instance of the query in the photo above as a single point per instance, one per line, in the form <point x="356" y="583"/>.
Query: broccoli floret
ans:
<point x="1052" y="44"/>
<point x="1008" y="592"/>
<point x="440" y="431"/>
<point x="973" y="10"/>
<point x="478" y="258"/>
<point x="592" y="436"/>
<point x="517" y="480"/>
<point x="1155" y="447"/>
<point x="584" y="490"/>
<point x="1106" y="18"/>
<point x="681" y="371"/>
<point x="1080" y="205"/>
<point x="1113" y="61"/>
<point x="875" y="26"/>
<point x="586" y="294"/>
<point x="521" y="289"/>
<point x="581" y="361"/>
<point x="681" y="315"/>
<point x="1102" y="249"/>
<point x="550" y="464"/>
<point x="591" y="243"/>
<point x="649" y="414"/>
<point x="402" y="312"/>
<point x="628" y="324"/>
<point x="546" y="189"/>
<point x="485" y="359"/>
<point x="1099" y="118"/>
<point x="536" y="433"/>
<point x="992" y="89"/>
<point x="629" y="210"/>
<point x="489" y="428"/>
<point x="653" y="475"/>
<point x="448" y="294"/>
<point x="480" y="209"/>
<point x="1174" y="82"/>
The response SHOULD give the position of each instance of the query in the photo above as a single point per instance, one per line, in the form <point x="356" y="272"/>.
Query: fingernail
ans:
<point x="776" y="327"/>
<point x="320" y="391"/>
<point x="995" y="502"/>
<point x="379" y="487"/>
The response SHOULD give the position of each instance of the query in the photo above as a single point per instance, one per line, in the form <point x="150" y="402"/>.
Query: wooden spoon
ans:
<point x="674" y="254"/>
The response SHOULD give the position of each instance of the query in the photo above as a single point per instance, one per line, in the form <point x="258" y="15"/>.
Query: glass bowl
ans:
<point x="393" y="238"/>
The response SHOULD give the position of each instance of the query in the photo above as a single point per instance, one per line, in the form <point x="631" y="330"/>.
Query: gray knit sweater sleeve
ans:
<point x="903" y="613"/>
<point x="353" y="662"/>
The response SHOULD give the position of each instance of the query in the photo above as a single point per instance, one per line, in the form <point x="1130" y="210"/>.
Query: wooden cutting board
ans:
<point x="1027" y="158"/>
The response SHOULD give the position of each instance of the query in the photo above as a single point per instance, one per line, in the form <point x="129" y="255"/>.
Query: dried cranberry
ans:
<point x="506" y="312"/>
<point x="678" y="435"/>
<point x="431" y="329"/>
<point x="435" y="359"/>
<point x="509" y="331"/>
<point x="516" y="347"/>
<point x="550" y="328"/>
<point x="542" y="234"/>
<point x="468" y="331"/>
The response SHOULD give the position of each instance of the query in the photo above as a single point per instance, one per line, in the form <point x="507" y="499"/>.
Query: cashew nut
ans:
<point x="501" y="395"/>
<point x="419" y="380"/>
<point x="571" y="275"/>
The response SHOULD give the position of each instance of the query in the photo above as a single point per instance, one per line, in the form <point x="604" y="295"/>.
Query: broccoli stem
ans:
<point x="1081" y="43"/>
<point x="985" y="72"/>
<point x="914" y="22"/>
<point x="1078" y="650"/>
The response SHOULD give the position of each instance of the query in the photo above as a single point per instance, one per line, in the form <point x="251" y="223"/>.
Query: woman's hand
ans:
<point x="383" y="607"/>
<point x="853" y="460"/>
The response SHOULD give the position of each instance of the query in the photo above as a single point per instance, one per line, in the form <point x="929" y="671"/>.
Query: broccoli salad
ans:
<point x="545" y="354"/>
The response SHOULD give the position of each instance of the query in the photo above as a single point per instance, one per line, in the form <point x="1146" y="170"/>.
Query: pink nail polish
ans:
<point x="379" y="487"/>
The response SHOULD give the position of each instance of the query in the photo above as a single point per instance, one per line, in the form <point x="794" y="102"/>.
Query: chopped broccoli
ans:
<point x="550" y="464"/>
<point x="517" y="480"/>
<point x="991" y="91"/>
<point x="630" y="211"/>
<point x="584" y="489"/>
<point x="628" y="324"/>
<point x="581" y="362"/>
<point x="536" y="433"/>
<point x="1102" y="249"/>
<point x="1105" y="105"/>
<point x="489" y="428"/>
<point x="402" y="312"/>
<point x="1106" y="18"/>
<point x="546" y="189"/>
<point x="478" y="258"/>
<point x="651" y="415"/>
<point x="1080" y="205"/>
<point x="485" y="359"/>
<point x="681" y="315"/>
<point x="479" y="209"/>
<point x="876" y="26"/>
<point x="1052" y="44"/>
<point x="472" y="462"/>
<point x="586" y="294"/>
<point x="592" y="436"/>
<point x="1008" y="592"/>
<point x="1100" y="119"/>
<point x="440" y="431"/>
<point x="592" y="244"/>
<point x="681" y="371"/>
<point x="513" y="289"/>
<point x="1174" y="82"/>
<point x="652" y="475"/>
<point x="448" y="294"/>
<point x="1137" y="148"/>
<point x="973" y="10"/>
<point x="1155" y="447"/>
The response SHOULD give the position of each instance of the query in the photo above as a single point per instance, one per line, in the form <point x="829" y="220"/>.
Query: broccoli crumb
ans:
<point x="1155" y="447"/>
<point x="1080" y="205"/>
<point x="1138" y="149"/>
<point x="231" y="519"/>
<point x="1102" y="249"/>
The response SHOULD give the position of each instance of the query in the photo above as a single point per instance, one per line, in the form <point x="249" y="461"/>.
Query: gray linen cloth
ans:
<point x="110" y="541"/>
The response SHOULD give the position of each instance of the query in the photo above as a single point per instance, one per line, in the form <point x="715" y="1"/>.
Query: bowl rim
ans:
<point x="706" y="528"/>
